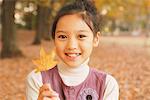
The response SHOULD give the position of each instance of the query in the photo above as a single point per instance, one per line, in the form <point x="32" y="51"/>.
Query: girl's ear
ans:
<point x="96" y="39"/>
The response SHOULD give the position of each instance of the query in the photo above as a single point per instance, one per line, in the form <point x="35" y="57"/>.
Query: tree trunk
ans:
<point x="9" y="47"/>
<point x="46" y="23"/>
<point x="42" y="25"/>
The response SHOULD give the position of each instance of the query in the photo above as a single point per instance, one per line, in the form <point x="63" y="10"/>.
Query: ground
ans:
<point x="126" y="58"/>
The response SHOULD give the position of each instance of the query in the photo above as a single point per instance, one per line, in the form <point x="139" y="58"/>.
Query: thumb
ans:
<point x="53" y="93"/>
<point x="49" y="86"/>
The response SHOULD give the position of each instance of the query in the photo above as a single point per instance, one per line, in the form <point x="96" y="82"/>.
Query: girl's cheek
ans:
<point x="59" y="47"/>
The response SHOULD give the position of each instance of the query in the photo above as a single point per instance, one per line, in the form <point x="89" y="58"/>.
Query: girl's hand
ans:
<point x="46" y="93"/>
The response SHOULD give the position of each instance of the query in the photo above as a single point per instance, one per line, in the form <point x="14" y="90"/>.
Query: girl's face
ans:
<point x="74" y="40"/>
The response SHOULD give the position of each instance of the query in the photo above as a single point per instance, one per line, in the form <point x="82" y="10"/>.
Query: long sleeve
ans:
<point x="33" y="83"/>
<point x="111" y="89"/>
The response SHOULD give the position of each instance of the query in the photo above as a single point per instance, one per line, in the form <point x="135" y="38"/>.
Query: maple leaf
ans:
<point x="46" y="61"/>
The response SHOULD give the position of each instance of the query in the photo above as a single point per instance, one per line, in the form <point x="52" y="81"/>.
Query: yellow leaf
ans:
<point x="46" y="61"/>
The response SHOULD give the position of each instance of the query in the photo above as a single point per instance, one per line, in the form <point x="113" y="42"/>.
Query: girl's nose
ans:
<point x="72" y="44"/>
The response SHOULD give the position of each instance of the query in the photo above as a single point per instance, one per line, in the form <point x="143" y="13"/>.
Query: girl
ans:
<point x="75" y="32"/>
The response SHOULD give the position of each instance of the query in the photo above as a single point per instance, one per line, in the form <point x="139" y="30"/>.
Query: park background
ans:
<point x="124" y="49"/>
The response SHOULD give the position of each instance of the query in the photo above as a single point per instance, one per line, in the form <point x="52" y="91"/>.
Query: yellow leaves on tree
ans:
<point x="46" y="61"/>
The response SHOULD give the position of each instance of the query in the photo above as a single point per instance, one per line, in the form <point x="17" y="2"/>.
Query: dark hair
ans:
<point x="85" y="8"/>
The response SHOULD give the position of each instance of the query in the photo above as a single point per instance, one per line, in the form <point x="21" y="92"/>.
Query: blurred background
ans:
<point x="124" y="49"/>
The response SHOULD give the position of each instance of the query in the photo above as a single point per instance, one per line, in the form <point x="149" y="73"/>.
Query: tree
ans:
<point x="9" y="47"/>
<point x="41" y="23"/>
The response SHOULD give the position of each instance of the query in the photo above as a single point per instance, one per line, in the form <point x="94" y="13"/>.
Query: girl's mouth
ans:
<point x="72" y="56"/>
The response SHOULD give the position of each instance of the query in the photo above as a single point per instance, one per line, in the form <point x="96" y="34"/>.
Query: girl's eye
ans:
<point x="62" y="36"/>
<point x="82" y="36"/>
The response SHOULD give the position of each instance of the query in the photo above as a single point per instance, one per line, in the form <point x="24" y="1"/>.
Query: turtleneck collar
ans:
<point x="72" y="76"/>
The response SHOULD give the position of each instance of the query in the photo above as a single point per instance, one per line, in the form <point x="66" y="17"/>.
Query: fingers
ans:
<point x="49" y="94"/>
<point x="45" y="87"/>
<point x="46" y="91"/>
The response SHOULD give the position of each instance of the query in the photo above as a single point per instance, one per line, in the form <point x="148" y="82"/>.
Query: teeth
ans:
<point x="73" y="55"/>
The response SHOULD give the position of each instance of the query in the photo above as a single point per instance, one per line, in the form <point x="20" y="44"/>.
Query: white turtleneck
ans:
<point x="73" y="76"/>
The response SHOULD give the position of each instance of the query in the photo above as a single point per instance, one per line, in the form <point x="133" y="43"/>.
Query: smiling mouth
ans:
<point x="72" y="55"/>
